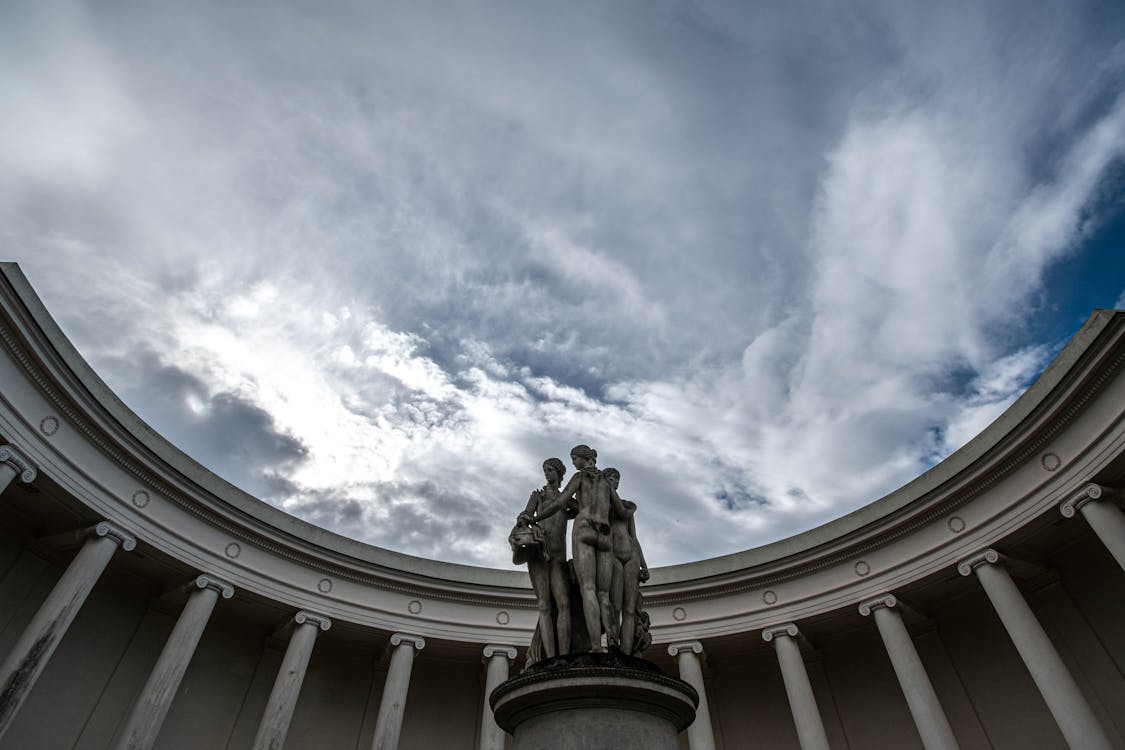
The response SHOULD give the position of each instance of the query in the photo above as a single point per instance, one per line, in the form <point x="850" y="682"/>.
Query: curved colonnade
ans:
<point x="144" y="602"/>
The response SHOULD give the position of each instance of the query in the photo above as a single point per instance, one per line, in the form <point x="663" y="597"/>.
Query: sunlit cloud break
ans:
<point x="373" y="265"/>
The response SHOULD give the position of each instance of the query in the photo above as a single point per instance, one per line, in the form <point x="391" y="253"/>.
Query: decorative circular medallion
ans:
<point x="1050" y="461"/>
<point x="769" y="597"/>
<point x="324" y="585"/>
<point x="862" y="568"/>
<point x="679" y="614"/>
<point x="49" y="425"/>
<point x="503" y="618"/>
<point x="233" y="550"/>
<point x="140" y="498"/>
<point x="414" y="607"/>
<point x="956" y="524"/>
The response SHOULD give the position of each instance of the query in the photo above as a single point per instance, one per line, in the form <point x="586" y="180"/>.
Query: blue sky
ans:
<point x="373" y="262"/>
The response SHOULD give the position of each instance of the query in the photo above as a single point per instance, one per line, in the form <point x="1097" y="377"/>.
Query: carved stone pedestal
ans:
<point x="594" y="701"/>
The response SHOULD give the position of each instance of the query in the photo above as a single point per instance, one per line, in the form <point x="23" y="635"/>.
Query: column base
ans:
<point x="593" y="701"/>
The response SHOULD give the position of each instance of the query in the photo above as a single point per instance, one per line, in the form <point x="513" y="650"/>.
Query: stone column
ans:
<point x="283" y="698"/>
<point x="496" y="660"/>
<point x="802" y="702"/>
<point x="700" y="735"/>
<point x="933" y="725"/>
<point x="1064" y="699"/>
<point x="29" y="656"/>
<point x="388" y="725"/>
<point x="151" y="706"/>
<point x="13" y="464"/>
<point x="1097" y="506"/>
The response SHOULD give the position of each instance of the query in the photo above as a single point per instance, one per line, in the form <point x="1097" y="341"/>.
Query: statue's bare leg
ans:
<point x="541" y="585"/>
<point x="617" y="586"/>
<point x="584" y="550"/>
<point x="560" y="589"/>
<point x="605" y="562"/>
<point x="629" y="605"/>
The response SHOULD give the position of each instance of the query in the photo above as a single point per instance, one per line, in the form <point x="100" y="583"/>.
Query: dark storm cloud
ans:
<point x="218" y="429"/>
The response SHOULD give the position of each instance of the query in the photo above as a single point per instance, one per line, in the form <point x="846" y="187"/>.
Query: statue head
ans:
<point x="612" y="475"/>
<point x="554" y="470"/>
<point x="583" y="456"/>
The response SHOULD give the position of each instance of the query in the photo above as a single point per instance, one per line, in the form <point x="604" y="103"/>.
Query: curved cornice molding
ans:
<point x="125" y="472"/>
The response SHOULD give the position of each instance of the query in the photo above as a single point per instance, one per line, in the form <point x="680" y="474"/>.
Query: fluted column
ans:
<point x="496" y="661"/>
<point x="1097" y="506"/>
<point x="283" y="698"/>
<point x="933" y="725"/>
<point x="802" y="702"/>
<point x="144" y="722"/>
<point x="13" y="464"/>
<point x="29" y="656"/>
<point x="700" y="734"/>
<point x="1072" y="713"/>
<point x="392" y="706"/>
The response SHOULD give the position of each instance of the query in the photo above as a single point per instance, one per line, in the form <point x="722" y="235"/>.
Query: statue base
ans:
<point x="594" y="701"/>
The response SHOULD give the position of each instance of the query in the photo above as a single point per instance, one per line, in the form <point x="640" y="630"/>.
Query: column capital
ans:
<point x="208" y="581"/>
<point x="417" y="641"/>
<point x="984" y="557"/>
<point x="493" y="649"/>
<point x="885" y="600"/>
<point x="789" y="629"/>
<point x="24" y="468"/>
<point x="679" y="647"/>
<point x="1090" y="492"/>
<point x="312" y="618"/>
<point x="127" y="541"/>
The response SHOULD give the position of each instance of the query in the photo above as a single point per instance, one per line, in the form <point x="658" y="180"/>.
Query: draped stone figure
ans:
<point x="542" y="545"/>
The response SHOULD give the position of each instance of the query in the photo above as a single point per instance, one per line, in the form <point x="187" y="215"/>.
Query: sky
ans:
<point x="373" y="262"/>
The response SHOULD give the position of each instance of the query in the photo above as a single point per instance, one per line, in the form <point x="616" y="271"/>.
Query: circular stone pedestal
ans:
<point x="592" y="702"/>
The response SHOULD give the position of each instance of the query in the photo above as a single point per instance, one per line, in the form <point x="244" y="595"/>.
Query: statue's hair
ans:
<point x="557" y="465"/>
<point x="611" y="470"/>
<point x="584" y="451"/>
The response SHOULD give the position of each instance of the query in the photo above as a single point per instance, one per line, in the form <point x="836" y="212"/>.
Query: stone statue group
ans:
<point x="592" y="601"/>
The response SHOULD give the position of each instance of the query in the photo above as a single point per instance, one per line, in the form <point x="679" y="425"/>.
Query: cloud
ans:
<point x="374" y="264"/>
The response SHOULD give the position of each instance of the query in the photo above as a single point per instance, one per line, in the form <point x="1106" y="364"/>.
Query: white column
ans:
<point x="151" y="706"/>
<point x="1064" y="699"/>
<point x="29" y="656"/>
<point x="700" y="735"/>
<point x="496" y="661"/>
<point x="933" y="725"/>
<point x="392" y="706"/>
<point x="13" y="464"/>
<point x="283" y="698"/>
<point x="1097" y="506"/>
<point x="802" y="702"/>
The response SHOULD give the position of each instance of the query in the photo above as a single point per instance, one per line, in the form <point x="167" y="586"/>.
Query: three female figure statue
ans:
<point x="607" y="559"/>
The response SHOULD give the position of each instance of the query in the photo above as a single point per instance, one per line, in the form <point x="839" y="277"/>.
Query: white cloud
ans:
<point x="770" y="265"/>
